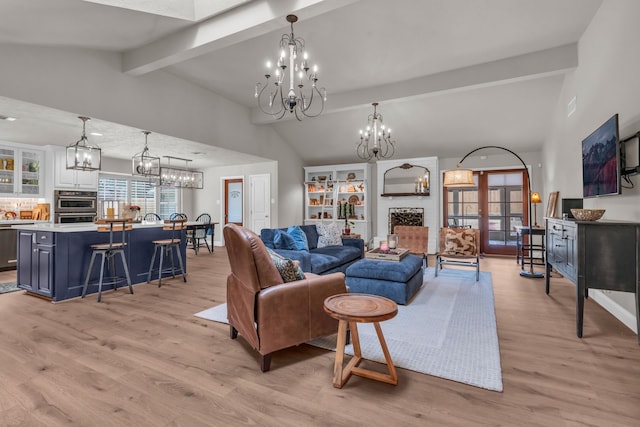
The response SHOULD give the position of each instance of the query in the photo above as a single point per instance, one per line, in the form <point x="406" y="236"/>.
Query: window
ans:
<point x="147" y="195"/>
<point x="143" y="194"/>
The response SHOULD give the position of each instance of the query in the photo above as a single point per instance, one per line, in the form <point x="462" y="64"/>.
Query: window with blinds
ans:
<point x="143" y="194"/>
<point x="150" y="197"/>
<point x="168" y="202"/>
<point x="113" y="189"/>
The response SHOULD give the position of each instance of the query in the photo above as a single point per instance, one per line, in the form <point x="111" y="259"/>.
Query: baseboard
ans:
<point x="627" y="318"/>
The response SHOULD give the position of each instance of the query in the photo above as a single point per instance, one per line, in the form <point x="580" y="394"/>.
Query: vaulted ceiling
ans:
<point x="449" y="74"/>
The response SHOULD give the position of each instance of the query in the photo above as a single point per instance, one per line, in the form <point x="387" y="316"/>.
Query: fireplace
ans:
<point x="405" y="216"/>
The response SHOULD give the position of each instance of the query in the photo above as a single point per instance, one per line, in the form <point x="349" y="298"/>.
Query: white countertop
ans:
<point x="74" y="228"/>
<point x="10" y="222"/>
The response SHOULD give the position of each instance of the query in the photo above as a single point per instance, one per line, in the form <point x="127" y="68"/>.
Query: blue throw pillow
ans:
<point x="282" y="240"/>
<point x="299" y="238"/>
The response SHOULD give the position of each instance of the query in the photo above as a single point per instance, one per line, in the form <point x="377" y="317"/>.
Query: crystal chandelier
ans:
<point x="181" y="177"/>
<point x="144" y="163"/>
<point x="376" y="140"/>
<point x="82" y="156"/>
<point x="293" y="57"/>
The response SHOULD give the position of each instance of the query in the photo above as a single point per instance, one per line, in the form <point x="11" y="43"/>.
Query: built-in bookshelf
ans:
<point x="331" y="191"/>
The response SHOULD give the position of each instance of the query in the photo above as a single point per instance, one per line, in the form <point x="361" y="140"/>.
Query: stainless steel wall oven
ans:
<point x="75" y="206"/>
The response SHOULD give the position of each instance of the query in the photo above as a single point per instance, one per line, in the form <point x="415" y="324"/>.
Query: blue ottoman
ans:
<point x="396" y="280"/>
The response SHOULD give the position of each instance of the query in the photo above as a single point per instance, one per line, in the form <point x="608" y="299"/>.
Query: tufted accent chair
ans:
<point x="269" y="314"/>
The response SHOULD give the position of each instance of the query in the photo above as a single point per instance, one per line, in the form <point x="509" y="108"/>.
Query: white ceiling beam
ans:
<point x="522" y="67"/>
<point x="242" y="23"/>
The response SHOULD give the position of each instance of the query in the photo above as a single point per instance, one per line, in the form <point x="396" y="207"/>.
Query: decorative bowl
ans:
<point x="587" y="214"/>
<point x="322" y="178"/>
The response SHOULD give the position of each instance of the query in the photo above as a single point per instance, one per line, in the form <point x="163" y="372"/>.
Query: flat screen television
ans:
<point x="601" y="161"/>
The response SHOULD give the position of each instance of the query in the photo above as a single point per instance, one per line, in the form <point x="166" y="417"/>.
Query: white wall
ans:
<point x="605" y="82"/>
<point x="430" y="204"/>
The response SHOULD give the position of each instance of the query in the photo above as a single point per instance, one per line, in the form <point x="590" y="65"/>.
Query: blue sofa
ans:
<point x="329" y="259"/>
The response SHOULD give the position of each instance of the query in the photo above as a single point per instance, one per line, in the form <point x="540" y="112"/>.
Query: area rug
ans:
<point x="5" y="288"/>
<point x="448" y="330"/>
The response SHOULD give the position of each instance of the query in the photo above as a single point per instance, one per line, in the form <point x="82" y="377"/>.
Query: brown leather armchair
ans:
<point x="269" y="314"/>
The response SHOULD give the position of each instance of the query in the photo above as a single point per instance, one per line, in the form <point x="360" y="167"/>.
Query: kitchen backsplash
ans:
<point x="17" y="205"/>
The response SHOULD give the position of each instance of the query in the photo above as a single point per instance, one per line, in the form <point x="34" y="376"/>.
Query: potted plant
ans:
<point x="347" y="211"/>
<point x="347" y="226"/>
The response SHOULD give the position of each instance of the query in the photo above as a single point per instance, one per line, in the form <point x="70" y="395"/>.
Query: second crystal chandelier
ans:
<point x="280" y="99"/>
<point x="376" y="140"/>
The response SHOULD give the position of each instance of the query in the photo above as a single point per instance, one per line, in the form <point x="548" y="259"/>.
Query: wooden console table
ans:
<point x="597" y="255"/>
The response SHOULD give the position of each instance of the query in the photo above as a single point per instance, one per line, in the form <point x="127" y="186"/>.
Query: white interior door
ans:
<point x="260" y="209"/>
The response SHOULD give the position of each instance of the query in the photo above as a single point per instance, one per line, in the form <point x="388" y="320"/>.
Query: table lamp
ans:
<point x="535" y="199"/>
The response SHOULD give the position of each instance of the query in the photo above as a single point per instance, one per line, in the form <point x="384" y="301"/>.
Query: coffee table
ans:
<point x="364" y="308"/>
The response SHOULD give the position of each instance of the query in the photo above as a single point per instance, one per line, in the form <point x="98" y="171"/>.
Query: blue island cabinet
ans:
<point x="53" y="264"/>
<point x="35" y="252"/>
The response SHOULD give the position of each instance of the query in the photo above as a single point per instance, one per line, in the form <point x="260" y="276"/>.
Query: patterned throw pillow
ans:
<point x="299" y="238"/>
<point x="329" y="235"/>
<point x="288" y="269"/>
<point x="460" y="241"/>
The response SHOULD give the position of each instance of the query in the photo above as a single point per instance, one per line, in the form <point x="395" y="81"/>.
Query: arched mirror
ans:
<point x="406" y="180"/>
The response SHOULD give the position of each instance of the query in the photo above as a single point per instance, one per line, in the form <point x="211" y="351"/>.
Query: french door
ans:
<point x="495" y="204"/>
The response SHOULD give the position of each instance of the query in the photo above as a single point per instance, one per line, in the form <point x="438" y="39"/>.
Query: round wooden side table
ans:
<point x="352" y="309"/>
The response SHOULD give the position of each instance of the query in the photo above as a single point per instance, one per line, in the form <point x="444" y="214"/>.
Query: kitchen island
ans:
<point x="53" y="258"/>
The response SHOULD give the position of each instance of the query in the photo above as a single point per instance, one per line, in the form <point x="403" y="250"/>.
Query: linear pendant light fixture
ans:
<point x="144" y="163"/>
<point x="81" y="155"/>
<point x="181" y="177"/>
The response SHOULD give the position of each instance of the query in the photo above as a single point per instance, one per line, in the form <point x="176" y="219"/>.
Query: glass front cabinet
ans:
<point x="340" y="194"/>
<point x="21" y="172"/>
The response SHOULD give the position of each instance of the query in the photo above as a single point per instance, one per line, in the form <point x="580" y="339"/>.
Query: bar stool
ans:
<point x="108" y="252"/>
<point x="167" y="247"/>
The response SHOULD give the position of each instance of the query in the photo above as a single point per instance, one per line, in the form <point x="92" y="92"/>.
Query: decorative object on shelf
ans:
<point x="181" y="177"/>
<point x="298" y="103"/>
<point x="81" y="155"/>
<point x="351" y="175"/>
<point x="322" y="178"/>
<point x="383" y="147"/>
<point x="144" y="163"/>
<point x="587" y="214"/>
<point x="9" y="162"/>
<point x="464" y="178"/>
<point x="535" y="199"/>
<point x="407" y="180"/>
<point x="354" y="200"/>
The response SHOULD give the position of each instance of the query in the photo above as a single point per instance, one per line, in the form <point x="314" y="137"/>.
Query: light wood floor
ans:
<point x="145" y="360"/>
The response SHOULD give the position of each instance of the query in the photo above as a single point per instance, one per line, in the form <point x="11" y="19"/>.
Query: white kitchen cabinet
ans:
<point x="69" y="178"/>
<point x="21" y="171"/>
